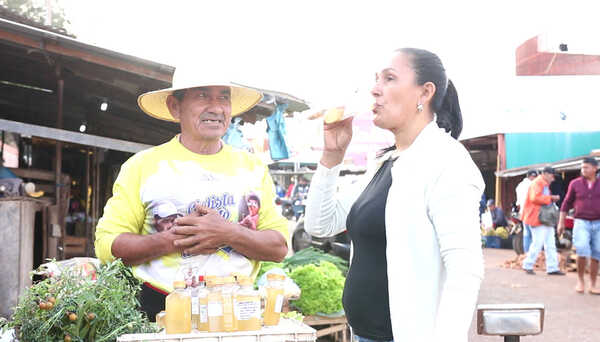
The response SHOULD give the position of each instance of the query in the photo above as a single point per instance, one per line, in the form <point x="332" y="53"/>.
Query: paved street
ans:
<point x="569" y="316"/>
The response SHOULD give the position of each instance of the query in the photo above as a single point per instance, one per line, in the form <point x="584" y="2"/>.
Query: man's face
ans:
<point x="165" y="223"/>
<point x="204" y="113"/>
<point x="548" y="177"/>
<point x="531" y="177"/>
<point x="491" y="207"/>
<point x="253" y="207"/>
<point x="588" y="170"/>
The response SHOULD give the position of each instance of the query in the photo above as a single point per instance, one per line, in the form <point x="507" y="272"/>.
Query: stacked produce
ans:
<point x="320" y="277"/>
<point x="76" y="307"/>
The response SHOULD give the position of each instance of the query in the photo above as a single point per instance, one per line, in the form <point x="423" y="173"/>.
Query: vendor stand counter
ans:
<point x="337" y="326"/>
<point x="287" y="330"/>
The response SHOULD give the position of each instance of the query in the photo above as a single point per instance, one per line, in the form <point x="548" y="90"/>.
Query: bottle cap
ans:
<point x="273" y="276"/>
<point x="244" y="280"/>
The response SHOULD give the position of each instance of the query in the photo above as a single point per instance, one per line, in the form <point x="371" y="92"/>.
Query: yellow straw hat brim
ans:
<point x="154" y="103"/>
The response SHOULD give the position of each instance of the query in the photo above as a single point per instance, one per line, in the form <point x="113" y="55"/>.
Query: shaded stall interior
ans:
<point x="70" y="109"/>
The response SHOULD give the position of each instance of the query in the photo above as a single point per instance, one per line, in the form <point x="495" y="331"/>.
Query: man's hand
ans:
<point x="560" y="228"/>
<point x="203" y="231"/>
<point x="337" y="137"/>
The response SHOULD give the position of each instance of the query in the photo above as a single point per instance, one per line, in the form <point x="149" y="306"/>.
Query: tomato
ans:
<point x="72" y="317"/>
<point x="52" y="300"/>
<point x="49" y="305"/>
<point x="43" y="306"/>
<point x="67" y="338"/>
<point x="91" y="316"/>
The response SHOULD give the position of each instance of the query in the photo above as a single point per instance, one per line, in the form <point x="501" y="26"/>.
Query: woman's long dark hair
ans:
<point x="428" y="68"/>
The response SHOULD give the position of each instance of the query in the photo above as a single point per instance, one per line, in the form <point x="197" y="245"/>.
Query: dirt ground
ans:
<point x="569" y="316"/>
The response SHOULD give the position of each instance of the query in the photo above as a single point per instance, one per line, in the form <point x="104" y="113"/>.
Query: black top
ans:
<point x="366" y="299"/>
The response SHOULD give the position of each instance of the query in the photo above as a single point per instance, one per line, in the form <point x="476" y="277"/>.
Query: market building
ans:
<point x="68" y="119"/>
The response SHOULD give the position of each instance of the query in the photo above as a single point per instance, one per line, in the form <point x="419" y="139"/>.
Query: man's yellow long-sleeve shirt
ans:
<point x="167" y="181"/>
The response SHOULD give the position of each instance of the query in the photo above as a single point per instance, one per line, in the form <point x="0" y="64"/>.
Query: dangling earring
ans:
<point x="420" y="107"/>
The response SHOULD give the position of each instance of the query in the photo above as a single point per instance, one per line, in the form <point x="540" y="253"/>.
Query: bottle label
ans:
<point x="215" y="309"/>
<point x="279" y="303"/>
<point x="246" y="310"/>
<point x="203" y="313"/>
<point x="195" y="305"/>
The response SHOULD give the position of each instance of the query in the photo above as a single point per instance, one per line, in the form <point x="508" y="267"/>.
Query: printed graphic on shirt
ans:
<point x="248" y="210"/>
<point x="167" y="195"/>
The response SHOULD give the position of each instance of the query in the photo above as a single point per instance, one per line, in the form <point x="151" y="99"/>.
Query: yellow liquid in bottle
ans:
<point x="179" y="313"/>
<point x="273" y="306"/>
<point x="247" y="312"/>
<point x="229" y="323"/>
<point x="203" y="313"/>
<point x="215" y="312"/>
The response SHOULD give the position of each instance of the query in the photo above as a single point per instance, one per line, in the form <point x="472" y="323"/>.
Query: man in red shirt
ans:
<point x="584" y="195"/>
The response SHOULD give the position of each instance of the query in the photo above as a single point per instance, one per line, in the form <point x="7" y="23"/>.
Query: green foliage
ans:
<point x="37" y="11"/>
<point x="85" y="309"/>
<point x="293" y="315"/>
<point x="322" y="287"/>
<point x="312" y="255"/>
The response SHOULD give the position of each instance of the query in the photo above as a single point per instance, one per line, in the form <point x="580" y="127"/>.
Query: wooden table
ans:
<point x="336" y="325"/>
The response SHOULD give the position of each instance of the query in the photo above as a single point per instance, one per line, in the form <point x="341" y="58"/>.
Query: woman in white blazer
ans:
<point x="414" y="222"/>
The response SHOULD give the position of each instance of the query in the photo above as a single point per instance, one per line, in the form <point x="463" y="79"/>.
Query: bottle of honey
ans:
<point x="247" y="305"/>
<point x="178" y="305"/>
<point x="202" y="324"/>
<point x="214" y="304"/>
<point x="228" y="295"/>
<point x="274" y="298"/>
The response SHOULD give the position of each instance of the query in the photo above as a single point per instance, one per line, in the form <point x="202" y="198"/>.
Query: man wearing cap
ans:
<point x="584" y="195"/>
<point x="204" y="179"/>
<point x="521" y="191"/>
<point x="542" y="236"/>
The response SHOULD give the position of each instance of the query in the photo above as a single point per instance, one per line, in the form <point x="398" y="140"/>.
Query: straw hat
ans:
<point x="154" y="103"/>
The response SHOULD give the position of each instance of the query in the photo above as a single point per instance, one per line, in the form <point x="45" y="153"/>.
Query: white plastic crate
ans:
<point x="288" y="330"/>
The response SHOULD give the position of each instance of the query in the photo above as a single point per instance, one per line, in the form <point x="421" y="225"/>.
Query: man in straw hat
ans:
<point x="204" y="179"/>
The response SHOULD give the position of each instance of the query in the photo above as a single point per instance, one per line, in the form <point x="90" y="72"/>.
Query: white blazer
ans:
<point x="434" y="257"/>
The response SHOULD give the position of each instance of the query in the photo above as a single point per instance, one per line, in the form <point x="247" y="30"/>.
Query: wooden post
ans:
<point x="58" y="154"/>
<point x="88" y="229"/>
<point x="500" y="165"/>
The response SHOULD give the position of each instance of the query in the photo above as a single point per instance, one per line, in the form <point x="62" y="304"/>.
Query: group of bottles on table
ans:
<point x="222" y="304"/>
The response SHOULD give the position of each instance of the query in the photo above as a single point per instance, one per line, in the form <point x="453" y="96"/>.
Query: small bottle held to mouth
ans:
<point x="355" y="104"/>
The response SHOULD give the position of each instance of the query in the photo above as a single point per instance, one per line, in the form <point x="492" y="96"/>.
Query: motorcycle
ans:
<point x="338" y="245"/>
<point x="516" y="230"/>
<point x="286" y="207"/>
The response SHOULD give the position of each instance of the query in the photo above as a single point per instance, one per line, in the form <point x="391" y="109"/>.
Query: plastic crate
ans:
<point x="287" y="331"/>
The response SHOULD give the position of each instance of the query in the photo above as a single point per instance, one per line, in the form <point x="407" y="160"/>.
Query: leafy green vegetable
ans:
<point x="293" y="315"/>
<point x="312" y="255"/>
<point x="84" y="309"/>
<point x="322" y="287"/>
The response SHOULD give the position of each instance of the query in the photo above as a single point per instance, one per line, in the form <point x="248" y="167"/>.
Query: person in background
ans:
<point x="290" y="188"/>
<point x="583" y="194"/>
<point x="498" y="218"/>
<point x="417" y="262"/>
<point x="521" y="190"/>
<point x="542" y="235"/>
<point x="279" y="190"/>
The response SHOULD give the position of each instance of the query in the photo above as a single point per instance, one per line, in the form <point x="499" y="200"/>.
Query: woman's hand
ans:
<point x="337" y="136"/>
